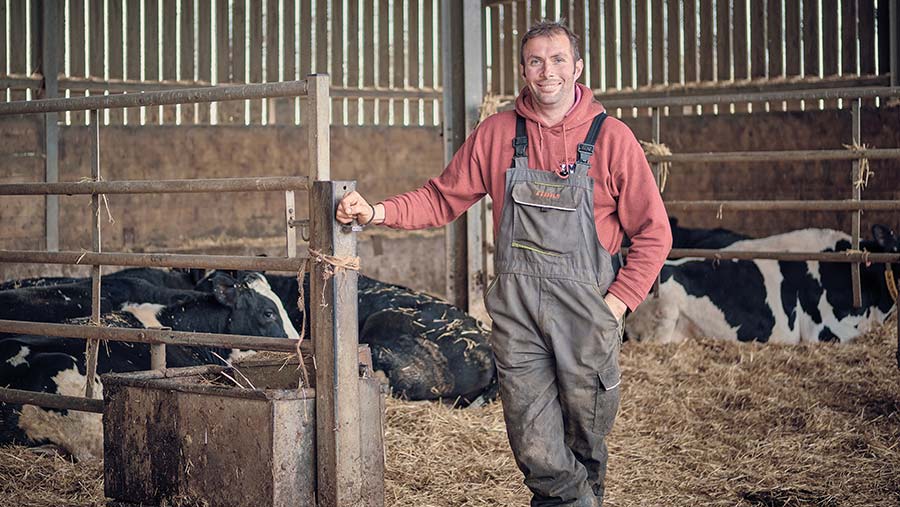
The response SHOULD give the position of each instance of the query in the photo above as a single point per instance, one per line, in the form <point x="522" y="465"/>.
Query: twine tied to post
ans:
<point x="333" y="266"/>
<point x="103" y="198"/>
<point x="865" y="172"/>
<point x="865" y="255"/>
<point x="659" y="150"/>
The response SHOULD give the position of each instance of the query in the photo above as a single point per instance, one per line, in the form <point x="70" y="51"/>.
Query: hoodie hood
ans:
<point x="583" y="111"/>
<point x="561" y="150"/>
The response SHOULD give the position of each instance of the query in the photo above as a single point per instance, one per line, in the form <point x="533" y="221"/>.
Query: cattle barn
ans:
<point x="160" y="156"/>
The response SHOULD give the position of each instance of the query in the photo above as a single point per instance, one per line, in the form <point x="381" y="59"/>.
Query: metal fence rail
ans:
<point x="267" y="184"/>
<point x="155" y="260"/>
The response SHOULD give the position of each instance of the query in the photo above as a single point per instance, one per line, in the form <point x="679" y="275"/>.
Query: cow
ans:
<point x="427" y="348"/>
<point x="56" y="365"/>
<point x="173" y="279"/>
<point x="684" y="237"/>
<point x="768" y="300"/>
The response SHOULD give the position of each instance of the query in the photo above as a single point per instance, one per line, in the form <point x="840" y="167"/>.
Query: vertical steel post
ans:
<point x="317" y="121"/>
<point x="333" y="304"/>
<point x="657" y="168"/>
<point x="93" y="346"/>
<point x="50" y="51"/>
<point x="462" y="54"/>
<point x="856" y="134"/>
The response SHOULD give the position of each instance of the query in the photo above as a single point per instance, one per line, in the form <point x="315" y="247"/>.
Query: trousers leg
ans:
<point x="529" y="390"/>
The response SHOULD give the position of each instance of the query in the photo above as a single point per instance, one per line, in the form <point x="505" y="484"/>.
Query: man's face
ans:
<point x="550" y="69"/>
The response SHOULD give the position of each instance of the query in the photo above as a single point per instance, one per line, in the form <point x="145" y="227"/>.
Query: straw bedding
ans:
<point x="701" y="423"/>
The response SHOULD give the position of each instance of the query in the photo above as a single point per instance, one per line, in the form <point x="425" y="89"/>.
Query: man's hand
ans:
<point x="616" y="305"/>
<point x="354" y="206"/>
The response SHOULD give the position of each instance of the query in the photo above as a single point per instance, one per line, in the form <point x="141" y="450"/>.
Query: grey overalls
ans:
<point x="555" y="340"/>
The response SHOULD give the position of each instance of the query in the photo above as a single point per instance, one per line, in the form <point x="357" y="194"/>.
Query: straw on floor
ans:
<point x="702" y="423"/>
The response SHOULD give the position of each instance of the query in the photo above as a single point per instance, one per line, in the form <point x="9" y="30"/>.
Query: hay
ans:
<point x="702" y="423"/>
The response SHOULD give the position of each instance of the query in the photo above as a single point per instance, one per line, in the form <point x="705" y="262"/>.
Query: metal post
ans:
<point x="290" y="215"/>
<point x="856" y="196"/>
<point x="656" y="167"/>
<point x="50" y="51"/>
<point x="317" y="120"/>
<point x="93" y="346"/>
<point x="334" y="328"/>
<point x="462" y="36"/>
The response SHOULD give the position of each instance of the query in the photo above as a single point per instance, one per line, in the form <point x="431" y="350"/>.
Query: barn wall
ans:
<point x="390" y="160"/>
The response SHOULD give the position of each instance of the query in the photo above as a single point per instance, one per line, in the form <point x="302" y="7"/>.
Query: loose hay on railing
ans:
<point x="702" y="423"/>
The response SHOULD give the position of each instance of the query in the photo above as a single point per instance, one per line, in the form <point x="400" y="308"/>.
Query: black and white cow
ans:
<point x="427" y="348"/>
<point x="768" y="300"/>
<point x="685" y="237"/>
<point x="56" y="365"/>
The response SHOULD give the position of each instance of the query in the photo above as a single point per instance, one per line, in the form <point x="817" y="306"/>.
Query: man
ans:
<point x="567" y="183"/>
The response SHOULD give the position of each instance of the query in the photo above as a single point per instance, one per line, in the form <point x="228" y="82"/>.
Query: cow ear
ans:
<point x="883" y="236"/>
<point x="224" y="289"/>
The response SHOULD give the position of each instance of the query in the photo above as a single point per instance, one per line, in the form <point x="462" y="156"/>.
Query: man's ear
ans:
<point x="579" y="68"/>
<point x="225" y="290"/>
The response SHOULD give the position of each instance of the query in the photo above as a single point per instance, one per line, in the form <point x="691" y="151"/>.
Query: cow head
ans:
<point x="885" y="241"/>
<point x="256" y="310"/>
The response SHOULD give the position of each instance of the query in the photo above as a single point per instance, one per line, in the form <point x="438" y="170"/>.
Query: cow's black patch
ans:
<point x="742" y="298"/>
<point x="825" y="335"/>
<point x="799" y="286"/>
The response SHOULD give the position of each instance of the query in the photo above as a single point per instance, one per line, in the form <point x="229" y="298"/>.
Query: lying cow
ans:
<point x="768" y="300"/>
<point x="56" y="365"/>
<point x="427" y="348"/>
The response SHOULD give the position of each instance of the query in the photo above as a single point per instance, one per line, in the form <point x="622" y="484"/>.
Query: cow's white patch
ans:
<point x="238" y="355"/>
<point x="261" y="286"/>
<point x="804" y="240"/>
<point x="146" y="313"/>
<point x="19" y="359"/>
<point x="676" y="316"/>
<point x="80" y="433"/>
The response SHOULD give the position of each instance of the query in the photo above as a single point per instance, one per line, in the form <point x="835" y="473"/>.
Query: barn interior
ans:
<point x="707" y="423"/>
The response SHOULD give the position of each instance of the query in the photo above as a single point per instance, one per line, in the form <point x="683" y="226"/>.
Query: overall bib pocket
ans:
<point x="545" y="221"/>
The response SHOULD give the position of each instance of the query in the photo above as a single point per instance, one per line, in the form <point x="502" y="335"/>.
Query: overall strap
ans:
<point x="520" y="144"/>
<point x="586" y="149"/>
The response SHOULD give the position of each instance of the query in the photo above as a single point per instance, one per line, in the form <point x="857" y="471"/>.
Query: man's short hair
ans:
<point x="547" y="28"/>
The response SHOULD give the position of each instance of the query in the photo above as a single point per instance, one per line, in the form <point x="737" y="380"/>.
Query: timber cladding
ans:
<point x="385" y="161"/>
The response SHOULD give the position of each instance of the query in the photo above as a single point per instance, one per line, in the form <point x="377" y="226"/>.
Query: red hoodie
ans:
<point x="626" y="199"/>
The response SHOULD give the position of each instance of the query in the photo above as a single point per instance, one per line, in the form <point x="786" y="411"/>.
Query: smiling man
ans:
<point x="568" y="183"/>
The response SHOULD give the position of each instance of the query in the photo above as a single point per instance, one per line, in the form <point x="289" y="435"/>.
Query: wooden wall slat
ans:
<point x="757" y="39"/>
<point x="496" y="71"/>
<point x="810" y="38"/>
<point x="884" y="39"/>
<point x="286" y="107"/>
<point x="255" y="56"/>
<point x="133" y="53"/>
<point x="369" y="49"/>
<point x="186" y="66"/>
<point x="691" y="73"/>
<point x="550" y="11"/>
<point x="565" y="12"/>
<point x="866" y="30"/>
<point x="534" y="7"/>
<point x="353" y="69"/>
<point x="642" y="44"/>
<point x="723" y="41"/>
<point x="116" y="43"/>
<point x="3" y="37"/>
<point x="306" y="45"/>
<point x="612" y="45"/>
<point x="707" y="43"/>
<point x="792" y="38"/>
<point x="170" y="52"/>
<point x="337" y="58"/>
<point x="236" y="108"/>
<point x="658" y="48"/>
<point x="97" y="56"/>
<point x="223" y="59"/>
<point x="830" y="36"/>
<point x="384" y="62"/>
<point x="507" y="64"/>
<point x="627" y="43"/>
<point x="428" y="55"/>
<point x="522" y="27"/>
<point x="151" y="53"/>
<point x="34" y="64"/>
<point x="204" y="54"/>
<point x="578" y="19"/>
<point x="849" y="36"/>
<point x="414" y="59"/>
<point x="774" y="17"/>
<point x="595" y="45"/>
<point x="673" y="53"/>
<point x="76" y="50"/>
<point x="321" y="42"/>
<point x="741" y="47"/>
<point x="399" y="57"/>
<point x="439" y="67"/>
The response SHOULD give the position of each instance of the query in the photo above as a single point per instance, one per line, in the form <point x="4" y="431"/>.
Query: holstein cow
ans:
<point x="56" y="365"/>
<point x="173" y="279"/>
<point x="427" y="348"/>
<point x="768" y="300"/>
